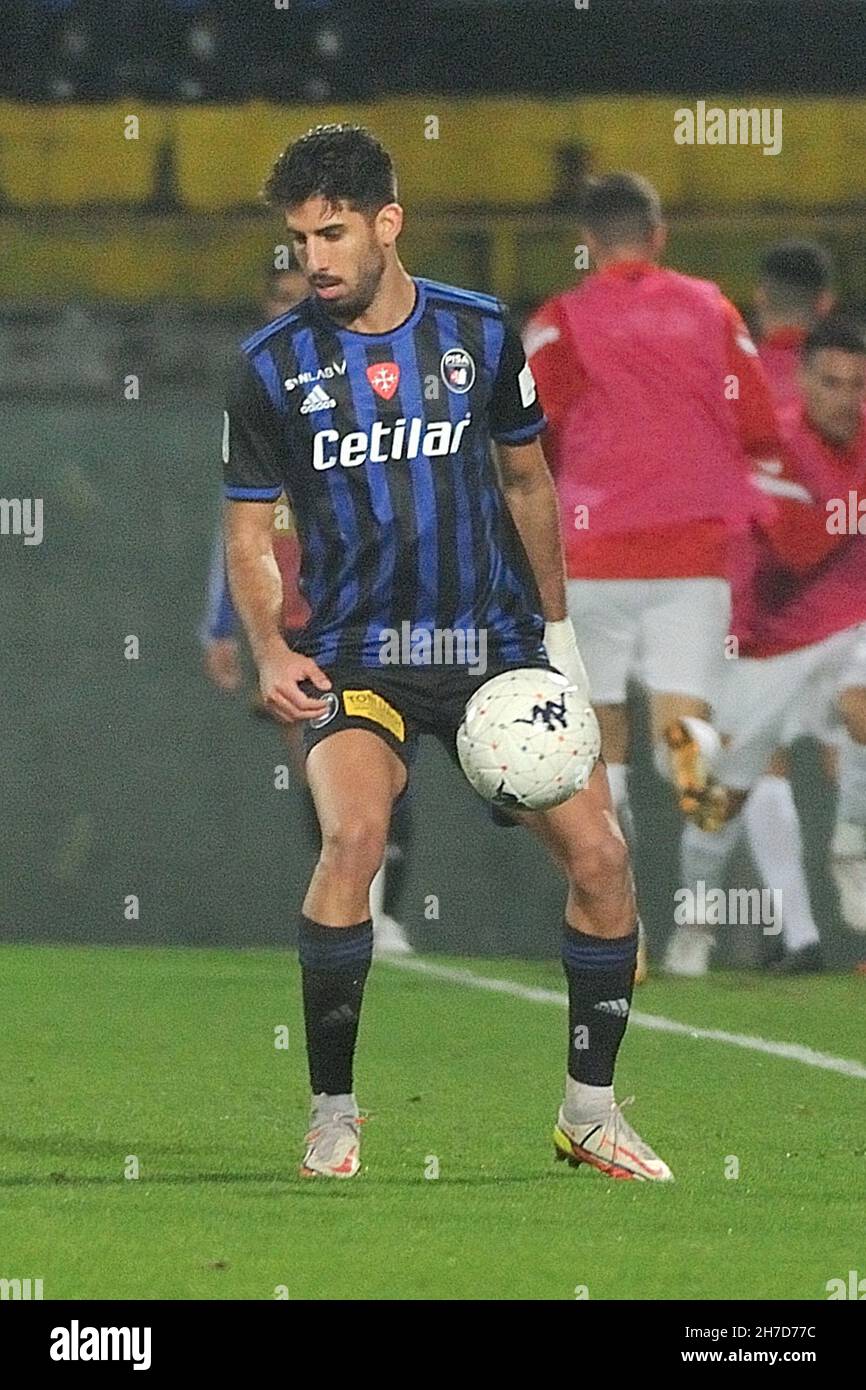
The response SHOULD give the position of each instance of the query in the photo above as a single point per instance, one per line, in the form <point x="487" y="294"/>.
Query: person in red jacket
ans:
<point x="793" y="292"/>
<point x="802" y="658"/>
<point x="658" y="406"/>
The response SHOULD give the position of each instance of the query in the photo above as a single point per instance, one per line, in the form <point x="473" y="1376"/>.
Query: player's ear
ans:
<point x="659" y="239"/>
<point x="389" y="223"/>
<point x="825" y="302"/>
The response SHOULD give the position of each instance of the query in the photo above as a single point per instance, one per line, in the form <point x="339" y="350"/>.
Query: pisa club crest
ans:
<point x="458" y="370"/>
<point x="384" y="378"/>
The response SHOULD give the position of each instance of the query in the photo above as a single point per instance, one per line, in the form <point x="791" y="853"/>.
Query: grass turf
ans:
<point x="168" y="1055"/>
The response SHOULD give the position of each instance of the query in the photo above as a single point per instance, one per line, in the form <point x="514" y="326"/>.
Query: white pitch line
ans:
<point x="794" y="1052"/>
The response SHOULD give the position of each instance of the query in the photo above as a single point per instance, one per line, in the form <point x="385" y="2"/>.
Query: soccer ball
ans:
<point x="528" y="740"/>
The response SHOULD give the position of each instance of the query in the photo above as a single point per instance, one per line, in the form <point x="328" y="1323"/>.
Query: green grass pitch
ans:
<point x="169" y="1057"/>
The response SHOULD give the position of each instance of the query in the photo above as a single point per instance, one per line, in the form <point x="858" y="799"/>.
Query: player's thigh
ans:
<point x="852" y="707"/>
<point x="607" y="630"/>
<point x="682" y="637"/>
<point x="851" y="694"/>
<point x="615" y="732"/>
<point x="354" y="778"/>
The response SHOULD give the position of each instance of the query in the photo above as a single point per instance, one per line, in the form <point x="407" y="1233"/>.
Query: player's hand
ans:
<point x="222" y="663"/>
<point x="281" y="672"/>
<point x="561" y="646"/>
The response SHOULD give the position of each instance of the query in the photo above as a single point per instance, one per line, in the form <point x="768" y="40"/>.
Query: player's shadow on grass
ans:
<point x="66" y="1146"/>
<point x="284" y="1180"/>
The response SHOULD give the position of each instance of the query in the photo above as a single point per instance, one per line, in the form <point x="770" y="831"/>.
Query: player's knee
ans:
<point x="597" y="865"/>
<point x="355" y="847"/>
<point x="852" y="707"/>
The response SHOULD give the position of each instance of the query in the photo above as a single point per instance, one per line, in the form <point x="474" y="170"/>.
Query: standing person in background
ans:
<point x="650" y="453"/>
<point x="793" y="292"/>
<point x="284" y="288"/>
<point x="803" y="619"/>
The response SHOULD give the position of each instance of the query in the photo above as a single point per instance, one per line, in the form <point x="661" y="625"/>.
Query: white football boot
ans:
<point x="848" y="866"/>
<point x="611" y="1145"/>
<point x="334" y="1140"/>
<point x="688" y="952"/>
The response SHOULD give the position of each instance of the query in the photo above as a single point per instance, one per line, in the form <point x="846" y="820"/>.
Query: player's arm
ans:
<point x="253" y="473"/>
<point x="795" y="525"/>
<point x="217" y="632"/>
<point x="797" y="530"/>
<point x="532" y="501"/>
<point x="752" y="402"/>
<point x="516" y="421"/>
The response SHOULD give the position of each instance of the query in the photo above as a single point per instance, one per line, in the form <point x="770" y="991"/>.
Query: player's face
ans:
<point x="834" y="389"/>
<point x="284" y="292"/>
<point x="342" y="254"/>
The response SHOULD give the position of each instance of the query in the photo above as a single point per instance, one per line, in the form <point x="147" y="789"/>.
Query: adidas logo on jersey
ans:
<point x="317" y="399"/>
<point x="617" y="1007"/>
<point x="405" y="439"/>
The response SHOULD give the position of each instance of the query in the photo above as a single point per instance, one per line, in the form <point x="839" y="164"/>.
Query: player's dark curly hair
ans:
<point x="836" y="332"/>
<point x="340" y="163"/>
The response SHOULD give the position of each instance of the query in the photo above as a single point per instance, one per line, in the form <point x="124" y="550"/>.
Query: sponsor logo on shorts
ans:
<point x="333" y="703"/>
<point x="366" y="704"/>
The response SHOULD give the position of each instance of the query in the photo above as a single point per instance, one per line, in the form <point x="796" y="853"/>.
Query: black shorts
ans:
<point x="399" y="703"/>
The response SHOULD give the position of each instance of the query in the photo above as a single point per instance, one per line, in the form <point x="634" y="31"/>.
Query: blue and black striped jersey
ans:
<point x="382" y="445"/>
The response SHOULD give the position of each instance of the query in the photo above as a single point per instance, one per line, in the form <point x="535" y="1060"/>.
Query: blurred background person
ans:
<point x="651" y="461"/>
<point x="803" y="623"/>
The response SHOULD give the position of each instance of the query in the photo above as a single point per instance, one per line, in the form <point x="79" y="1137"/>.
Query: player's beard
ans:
<point x="370" y="273"/>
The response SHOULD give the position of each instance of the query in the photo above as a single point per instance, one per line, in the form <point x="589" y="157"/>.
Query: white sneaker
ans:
<point x="611" y="1145"/>
<point x="333" y="1143"/>
<point x="389" y="938"/>
<point x="848" y="866"/>
<point x="688" y="952"/>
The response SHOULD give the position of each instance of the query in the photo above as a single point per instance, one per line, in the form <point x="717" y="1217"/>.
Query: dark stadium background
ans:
<point x="134" y="777"/>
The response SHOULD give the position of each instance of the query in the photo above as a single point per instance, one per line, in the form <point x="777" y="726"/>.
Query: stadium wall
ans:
<point x="499" y="150"/>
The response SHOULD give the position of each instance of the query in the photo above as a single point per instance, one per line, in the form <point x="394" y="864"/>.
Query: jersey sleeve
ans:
<point x="551" y="356"/>
<point x="754" y="413"/>
<point x="516" y="415"/>
<point x="796" y="529"/>
<point x="253" y="441"/>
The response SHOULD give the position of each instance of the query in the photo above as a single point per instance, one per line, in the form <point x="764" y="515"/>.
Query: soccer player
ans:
<point x="286" y="286"/>
<point x="655" y="398"/>
<point x="793" y="292"/>
<point x="803" y="656"/>
<point x="374" y="404"/>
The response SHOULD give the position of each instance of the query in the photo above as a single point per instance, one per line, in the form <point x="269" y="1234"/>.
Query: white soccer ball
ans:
<point x="528" y="740"/>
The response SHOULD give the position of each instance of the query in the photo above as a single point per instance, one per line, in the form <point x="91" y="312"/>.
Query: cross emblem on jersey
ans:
<point x="384" y="377"/>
